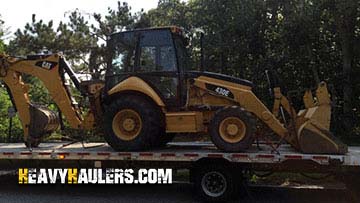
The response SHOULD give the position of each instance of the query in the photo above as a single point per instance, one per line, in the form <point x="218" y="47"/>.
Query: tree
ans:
<point x="170" y="12"/>
<point x="347" y="18"/>
<point x="73" y="38"/>
<point x="5" y="102"/>
<point x="2" y="33"/>
<point x="116" y="20"/>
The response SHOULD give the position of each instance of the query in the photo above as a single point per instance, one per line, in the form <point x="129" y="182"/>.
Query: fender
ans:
<point x="136" y="84"/>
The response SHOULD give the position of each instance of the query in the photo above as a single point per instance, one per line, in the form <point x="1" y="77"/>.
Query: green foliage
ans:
<point x="73" y="38"/>
<point x="2" y="32"/>
<point x="16" y="133"/>
<point x="170" y="12"/>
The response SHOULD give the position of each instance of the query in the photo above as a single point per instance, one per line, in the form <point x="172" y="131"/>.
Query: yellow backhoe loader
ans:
<point x="149" y="95"/>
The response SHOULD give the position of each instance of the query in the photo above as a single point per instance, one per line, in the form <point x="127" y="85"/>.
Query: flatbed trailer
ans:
<point x="202" y="159"/>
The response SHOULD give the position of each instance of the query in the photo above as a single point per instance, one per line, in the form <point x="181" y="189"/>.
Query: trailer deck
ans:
<point x="174" y="152"/>
<point x="202" y="159"/>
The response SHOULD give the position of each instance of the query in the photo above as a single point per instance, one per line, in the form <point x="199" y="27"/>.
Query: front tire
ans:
<point x="232" y="129"/>
<point x="132" y="123"/>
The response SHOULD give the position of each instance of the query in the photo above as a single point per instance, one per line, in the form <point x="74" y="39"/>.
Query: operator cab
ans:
<point x="156" y="55"/>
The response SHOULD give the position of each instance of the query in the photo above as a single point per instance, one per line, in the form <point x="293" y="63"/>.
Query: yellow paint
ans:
<point x="127" y="124"/>
<point x="184" y="122"/>
<point x="232" y="129"/>
<point x="19" y="91"/>
<point x="138" y="85"/>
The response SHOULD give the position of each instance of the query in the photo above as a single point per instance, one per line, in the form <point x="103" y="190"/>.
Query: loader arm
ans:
<point x="309" y="130"/>
<point x="49" y="69"/>
<point x="243" y="96"/>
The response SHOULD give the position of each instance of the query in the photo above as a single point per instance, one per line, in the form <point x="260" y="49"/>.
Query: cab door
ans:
<point x="156" y="64"/>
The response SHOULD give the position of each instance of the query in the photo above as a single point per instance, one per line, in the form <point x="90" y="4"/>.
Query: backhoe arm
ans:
<point x="19" y="92"/>
<point x="48" y="69"/>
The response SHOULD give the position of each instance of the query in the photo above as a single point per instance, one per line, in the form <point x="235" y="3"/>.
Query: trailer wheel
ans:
<point x="214" y="183"/>
<point x="132" y="123"/>
<point x="232" y="129"/>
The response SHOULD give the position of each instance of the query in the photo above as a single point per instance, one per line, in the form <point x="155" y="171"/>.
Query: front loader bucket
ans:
<point x="315" y="140"/>
<point x="314" y="135"/>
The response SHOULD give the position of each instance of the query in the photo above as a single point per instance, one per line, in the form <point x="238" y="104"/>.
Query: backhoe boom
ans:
<point x="49" y="69"/>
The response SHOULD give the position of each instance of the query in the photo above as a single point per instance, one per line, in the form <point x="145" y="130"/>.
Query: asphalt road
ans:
<point x="10" y="191"/>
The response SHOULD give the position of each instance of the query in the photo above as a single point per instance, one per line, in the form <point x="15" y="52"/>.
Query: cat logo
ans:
<point x="46" y="64"/>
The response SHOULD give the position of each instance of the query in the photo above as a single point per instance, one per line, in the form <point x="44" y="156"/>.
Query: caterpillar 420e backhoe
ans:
<point x="149" y="95"/>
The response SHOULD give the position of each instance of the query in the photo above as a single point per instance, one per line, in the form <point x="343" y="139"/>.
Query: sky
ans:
<point x="16" y="13"/>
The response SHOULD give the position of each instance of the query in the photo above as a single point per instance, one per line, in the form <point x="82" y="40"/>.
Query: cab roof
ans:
<point x="173" y="29"/>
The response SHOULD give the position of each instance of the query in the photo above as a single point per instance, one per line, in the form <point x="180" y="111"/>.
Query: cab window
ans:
<point x="157" y="52"/>
<point x="148" y="59"/>
<point x="122" y="51"/>
<point x="167" y="58"/>
<point x="123" y="61"/>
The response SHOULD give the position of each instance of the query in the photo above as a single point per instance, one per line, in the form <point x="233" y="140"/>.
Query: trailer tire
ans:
<point x="132" y="122"/>
<point x="232" y="129"/>
<point x="214" y="183"/>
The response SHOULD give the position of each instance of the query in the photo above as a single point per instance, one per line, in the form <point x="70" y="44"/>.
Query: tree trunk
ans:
<point x="93" y="67"/>
<point x="347" y="57"/>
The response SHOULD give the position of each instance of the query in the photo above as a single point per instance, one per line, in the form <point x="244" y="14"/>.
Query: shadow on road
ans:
<point x="10" y="191"/>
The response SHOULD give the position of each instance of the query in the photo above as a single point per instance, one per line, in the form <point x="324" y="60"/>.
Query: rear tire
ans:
<point x="132" y="122"/>
<point x="232" y="129"/>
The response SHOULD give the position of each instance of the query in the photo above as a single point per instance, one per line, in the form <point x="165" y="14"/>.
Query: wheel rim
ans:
<point x="214" y="184"/>
<point x="232" y="129"/>
<point x="127" y="124"/>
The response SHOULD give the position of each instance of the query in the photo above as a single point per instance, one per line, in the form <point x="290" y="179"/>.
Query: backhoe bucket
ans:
<point x="43" y="121"/>
<point x="313" y="132"/>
